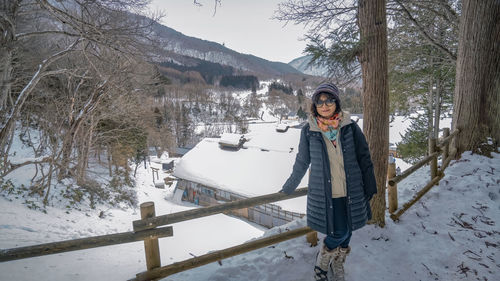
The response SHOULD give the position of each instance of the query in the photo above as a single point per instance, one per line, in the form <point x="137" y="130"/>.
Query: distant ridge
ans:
<point x="302" y="64"/>
<point x="178" y="43"/>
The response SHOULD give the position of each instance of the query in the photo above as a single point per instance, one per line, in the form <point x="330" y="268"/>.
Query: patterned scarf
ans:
<point x="330" y="127"/>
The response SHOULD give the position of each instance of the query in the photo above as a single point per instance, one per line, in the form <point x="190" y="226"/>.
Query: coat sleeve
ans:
<point x="302" y="161"/>
<point x="365" y="163"/>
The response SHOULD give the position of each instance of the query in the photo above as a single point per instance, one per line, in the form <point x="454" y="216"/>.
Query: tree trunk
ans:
<point x="110" y="165"/>
<point x="437" y="108"/>
<point x="8" y="16"/>
<point x="7" y="31"/>
<point x="67" y="148"/>
<point x="477" y="90"/>
<point x="5" y="78"/>
<point x="85" y="151"/>
<point x="430" y="109"/>
<point x="373" y="58"/>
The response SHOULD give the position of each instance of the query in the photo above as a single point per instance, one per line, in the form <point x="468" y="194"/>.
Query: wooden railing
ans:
<point x="148" y="229"/>
<point x="435" y="150"/>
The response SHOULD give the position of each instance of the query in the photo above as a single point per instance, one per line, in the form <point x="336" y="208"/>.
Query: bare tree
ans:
<point x="76" y="25"/>
<point x="68" y="99"/>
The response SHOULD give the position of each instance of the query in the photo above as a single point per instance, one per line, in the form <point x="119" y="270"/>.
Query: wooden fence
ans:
<point x="435" y="150"/>
<point x="149" y="229"/>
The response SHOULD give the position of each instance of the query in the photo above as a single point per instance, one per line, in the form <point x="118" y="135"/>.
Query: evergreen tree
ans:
<point x="186" y="128"/>
<point x="422" y="64"/>
<point x="413" y="146"/>
<point x="281" y="87"/>
<point x="301" y="113"/>
<point x="254" y="105"/>
<point x="158" y="117"/>
<point x="300" y="96"/>
<point x="240" y="82"/>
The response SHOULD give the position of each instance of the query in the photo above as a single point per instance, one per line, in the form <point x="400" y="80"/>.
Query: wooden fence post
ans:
<point x="432" y="149"/>
<point x="155" y="171"/>
<point x="151" y="247"/>
<point x="392" y="189"/>
<point x="312" y="238"/>
<point x="446" y="150"/>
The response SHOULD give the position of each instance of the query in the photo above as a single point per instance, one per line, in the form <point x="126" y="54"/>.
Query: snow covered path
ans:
<point x="451" y="234"/>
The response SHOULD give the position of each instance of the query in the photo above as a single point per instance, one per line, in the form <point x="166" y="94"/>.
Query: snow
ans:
<point x="230" y="139"/>
<point x="20" y="226"/>
<point x="281" y="127"/>
<point x="266" y="158"/>
<point x="260" y="167"/>
<point x="400" y="123"/>
<point x="450" y="234"/>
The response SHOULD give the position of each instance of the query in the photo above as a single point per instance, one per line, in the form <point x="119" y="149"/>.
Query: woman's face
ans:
<point x="325" y="106"/>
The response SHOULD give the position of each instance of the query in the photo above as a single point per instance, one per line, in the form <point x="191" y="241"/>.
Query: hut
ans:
<point x="258" y="163"/>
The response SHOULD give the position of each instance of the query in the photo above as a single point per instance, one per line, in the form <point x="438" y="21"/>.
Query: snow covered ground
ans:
<point x="451" y="234"/>
<point x="20" y="226"/>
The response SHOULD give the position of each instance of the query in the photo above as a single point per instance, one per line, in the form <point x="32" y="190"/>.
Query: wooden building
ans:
<point x="234" y="167"/>
<point x="268" y="215"/>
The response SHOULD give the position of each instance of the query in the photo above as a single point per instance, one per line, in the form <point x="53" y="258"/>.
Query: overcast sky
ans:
<point x="242" y="25"/>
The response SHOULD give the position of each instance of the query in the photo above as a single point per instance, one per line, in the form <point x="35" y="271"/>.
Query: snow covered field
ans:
<point x="451" y="234"/>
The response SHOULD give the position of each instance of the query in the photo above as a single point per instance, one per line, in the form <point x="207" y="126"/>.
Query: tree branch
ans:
<point x="28" y="89"/>
<point x="29" y="34"/>
<point x="425" y="34"/>
<point x="13" y="167"/>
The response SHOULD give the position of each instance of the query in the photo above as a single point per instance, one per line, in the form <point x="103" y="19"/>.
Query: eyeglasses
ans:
<point x="328" y="102"/>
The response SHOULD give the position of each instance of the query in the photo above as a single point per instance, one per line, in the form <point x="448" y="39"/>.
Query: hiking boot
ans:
<point x="337" y="265"/>
<point x="323" y="261"/>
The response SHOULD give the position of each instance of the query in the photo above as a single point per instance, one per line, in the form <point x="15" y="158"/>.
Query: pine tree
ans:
<point x="186" y="130"/>
<point x="301" y="113"/>
<point x="413" y="146"/>
<point x="300" y="96"/>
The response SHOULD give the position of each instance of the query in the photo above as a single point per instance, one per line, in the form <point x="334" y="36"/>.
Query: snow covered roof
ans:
<point x="232" y="140"/>
<point x="260" y="167"/>
<point x="281" y="127"/>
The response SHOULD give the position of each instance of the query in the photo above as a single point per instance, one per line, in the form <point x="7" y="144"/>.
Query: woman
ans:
<point x="341" y="179"/>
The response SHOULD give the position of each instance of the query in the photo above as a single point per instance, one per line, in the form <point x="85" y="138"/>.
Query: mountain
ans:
<point x="302" y="64"/>
<point x="176" y="43"/>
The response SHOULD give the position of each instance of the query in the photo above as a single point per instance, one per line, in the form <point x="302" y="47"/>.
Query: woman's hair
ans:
<point x="314" y="111"/>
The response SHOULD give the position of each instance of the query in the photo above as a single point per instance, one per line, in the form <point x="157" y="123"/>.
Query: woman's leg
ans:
<point x="339" y="242"/>
<point x="335" y="247"/>
<point x="341" y="232"/>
